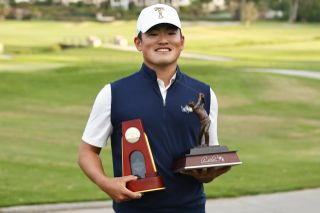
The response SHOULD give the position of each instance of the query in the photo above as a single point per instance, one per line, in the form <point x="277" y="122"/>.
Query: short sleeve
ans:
<point x="99" y="127"/>
<point x="213" y="129"/>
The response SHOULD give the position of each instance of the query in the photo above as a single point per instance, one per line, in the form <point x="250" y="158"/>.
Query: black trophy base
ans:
<point x="206" y="157"/>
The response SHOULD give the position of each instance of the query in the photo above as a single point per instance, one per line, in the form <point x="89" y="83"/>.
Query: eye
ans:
<point x="153" y="33"/>
<point x="172" y="32"/>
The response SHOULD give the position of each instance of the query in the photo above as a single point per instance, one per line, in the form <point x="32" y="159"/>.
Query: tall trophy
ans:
<point x="137" y="158"/>
<point x="204" y="155"/>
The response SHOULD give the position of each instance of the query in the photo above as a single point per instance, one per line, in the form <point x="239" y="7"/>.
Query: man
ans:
<point x="158" y="94"/>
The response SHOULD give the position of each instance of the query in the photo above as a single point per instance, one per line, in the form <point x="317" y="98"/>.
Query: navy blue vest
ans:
<point x="171" y="133"/>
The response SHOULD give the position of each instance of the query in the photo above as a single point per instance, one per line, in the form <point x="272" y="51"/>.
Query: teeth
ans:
<point x="163" y="50"/>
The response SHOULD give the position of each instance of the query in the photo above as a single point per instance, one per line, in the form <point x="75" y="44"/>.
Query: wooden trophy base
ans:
<point x="206" y="157"/>
<point x="146" y="184"/>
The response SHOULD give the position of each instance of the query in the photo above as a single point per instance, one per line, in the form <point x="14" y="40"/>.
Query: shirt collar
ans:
<point x="161" y="83"/>
<point x="150" y="73"/>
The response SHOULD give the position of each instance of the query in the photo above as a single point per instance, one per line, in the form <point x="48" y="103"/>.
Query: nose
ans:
<point x="163" y="38"/>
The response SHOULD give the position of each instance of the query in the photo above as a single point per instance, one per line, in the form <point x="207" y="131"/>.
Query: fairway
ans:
<point x="46" y="97"/>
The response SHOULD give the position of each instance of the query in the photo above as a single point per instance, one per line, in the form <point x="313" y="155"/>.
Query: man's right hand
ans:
<point x="90" y="163"/>
<point x="116" y="188"/>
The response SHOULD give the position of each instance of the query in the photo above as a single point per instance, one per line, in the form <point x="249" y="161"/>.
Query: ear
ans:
<point x="137" y="43"/>
<point x="182" y="42"/>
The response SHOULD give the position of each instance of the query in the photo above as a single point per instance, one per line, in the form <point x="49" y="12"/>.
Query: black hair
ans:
<point x="139" y="35"/>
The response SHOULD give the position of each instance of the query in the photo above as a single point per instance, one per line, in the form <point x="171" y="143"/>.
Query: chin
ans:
<point x="165" y="63"/>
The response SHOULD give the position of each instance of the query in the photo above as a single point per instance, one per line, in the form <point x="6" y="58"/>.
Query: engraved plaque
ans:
<point x="138" y="166"/>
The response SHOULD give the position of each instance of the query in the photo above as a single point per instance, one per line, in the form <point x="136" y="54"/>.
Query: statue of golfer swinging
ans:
<point x="204" y="119"/>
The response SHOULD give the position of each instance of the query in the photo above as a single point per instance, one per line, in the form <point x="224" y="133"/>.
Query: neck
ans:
<point x="165" y="73"/>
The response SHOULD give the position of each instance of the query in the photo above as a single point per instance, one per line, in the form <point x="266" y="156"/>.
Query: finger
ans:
<point x="132" y="195"/>
<point x="185" y="172"/>
<point x="204" y="171"/>
<point x="225" y="168"/>
<point x="217" y="169"/>
<point x="196" y="173"/>
<point x="222" y="170"/>
<point x="127" y="195"/>
<point x="129" y="178"/>
<point x="211" y="170"/>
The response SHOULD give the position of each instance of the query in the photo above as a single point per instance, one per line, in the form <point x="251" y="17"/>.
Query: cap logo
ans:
<point x="159" y="9"/>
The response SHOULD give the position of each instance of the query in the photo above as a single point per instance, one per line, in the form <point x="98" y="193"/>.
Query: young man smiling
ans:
<point x="157" y="94"/>
<point x="161" y="46"/>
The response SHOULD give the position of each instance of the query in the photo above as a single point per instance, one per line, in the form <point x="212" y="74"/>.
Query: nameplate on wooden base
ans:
<point x="206" y="157"/>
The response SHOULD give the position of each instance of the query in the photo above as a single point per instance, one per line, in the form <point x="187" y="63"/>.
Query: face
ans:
<point x="161" y="45"/>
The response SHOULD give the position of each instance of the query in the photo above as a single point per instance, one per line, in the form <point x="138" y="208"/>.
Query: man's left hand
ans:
<point x="206" y="175"/>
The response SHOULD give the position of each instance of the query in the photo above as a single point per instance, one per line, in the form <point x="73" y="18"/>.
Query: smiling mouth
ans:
<point x="163" y="50"/>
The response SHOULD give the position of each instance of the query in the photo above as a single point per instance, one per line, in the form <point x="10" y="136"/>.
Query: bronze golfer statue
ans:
<point x="204" y="119"/>
<point x="204" y="156"/>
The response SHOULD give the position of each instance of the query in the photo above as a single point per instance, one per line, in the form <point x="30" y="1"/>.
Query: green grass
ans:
<point x="46" y="96"/>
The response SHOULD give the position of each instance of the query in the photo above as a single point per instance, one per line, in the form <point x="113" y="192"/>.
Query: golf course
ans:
<point x="46" y="95"/>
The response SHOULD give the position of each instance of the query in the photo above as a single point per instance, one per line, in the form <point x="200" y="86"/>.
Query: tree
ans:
<point x="4" y="9"/>
<point x="249" y="13"/>
<point x="293" y="10"/>
<point x="297" y="10"/>
<point x="243" y="4"/>
<point x="309" y="11"/>
<point x="245" y="10"/>
<point x="196" y="9"/>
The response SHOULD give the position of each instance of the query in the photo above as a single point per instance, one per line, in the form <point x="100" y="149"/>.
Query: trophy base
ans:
<point x="206" y="157"/>
<point x="147" y="184"/>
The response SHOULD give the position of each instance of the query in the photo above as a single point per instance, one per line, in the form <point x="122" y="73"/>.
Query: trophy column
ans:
<point x="137" y="158"/>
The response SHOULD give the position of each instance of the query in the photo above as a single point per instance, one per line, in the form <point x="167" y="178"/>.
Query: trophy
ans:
<point x="205" y="156"/>
<point x="137" y="158"/>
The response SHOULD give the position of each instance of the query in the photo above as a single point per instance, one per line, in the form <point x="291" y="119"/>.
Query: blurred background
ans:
<point x="261" y="57"/>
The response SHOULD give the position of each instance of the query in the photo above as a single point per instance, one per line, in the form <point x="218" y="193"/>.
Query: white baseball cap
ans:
<point x="157" y="14"/>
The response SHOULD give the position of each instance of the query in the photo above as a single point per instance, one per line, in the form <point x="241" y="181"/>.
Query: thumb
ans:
<point x="129" y="178"/>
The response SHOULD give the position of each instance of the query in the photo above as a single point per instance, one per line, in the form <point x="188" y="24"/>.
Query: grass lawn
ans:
<point x="46" y="96"/>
